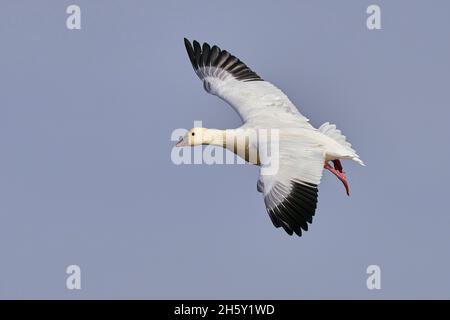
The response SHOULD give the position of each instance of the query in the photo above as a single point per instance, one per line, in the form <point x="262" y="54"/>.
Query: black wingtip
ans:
<point x="191" y="53"/>
<point x="195" y="43"/>
<point x="297" y="210"/>
<point x="205" y="55"/>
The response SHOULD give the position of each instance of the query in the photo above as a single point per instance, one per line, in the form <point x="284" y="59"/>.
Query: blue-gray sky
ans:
<point x="85" y="170"/>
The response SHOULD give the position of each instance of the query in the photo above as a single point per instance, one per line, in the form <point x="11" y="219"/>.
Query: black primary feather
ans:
<point x="297" y="209"/>
<point x="202" y="56"/>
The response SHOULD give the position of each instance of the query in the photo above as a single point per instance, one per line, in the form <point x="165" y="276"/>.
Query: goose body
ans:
<point x="300" y="151"/>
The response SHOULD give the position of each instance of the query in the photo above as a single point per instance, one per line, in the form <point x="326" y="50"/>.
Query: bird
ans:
<point x="290" y="191"/>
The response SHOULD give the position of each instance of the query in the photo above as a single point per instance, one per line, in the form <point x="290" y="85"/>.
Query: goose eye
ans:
<point x="193" y="133"/>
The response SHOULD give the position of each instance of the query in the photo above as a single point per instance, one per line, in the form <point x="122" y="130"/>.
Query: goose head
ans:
<point x="195" y="137"/>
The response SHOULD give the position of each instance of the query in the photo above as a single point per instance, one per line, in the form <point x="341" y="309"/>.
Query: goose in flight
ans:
<point x="290" y="191"/>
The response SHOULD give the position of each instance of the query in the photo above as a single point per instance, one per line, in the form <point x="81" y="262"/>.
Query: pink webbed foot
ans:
<point x="339" y="173"/>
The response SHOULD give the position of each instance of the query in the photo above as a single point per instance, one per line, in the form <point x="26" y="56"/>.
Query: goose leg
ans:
<point x="338" y="166"/>
<point x="339" y="173"/>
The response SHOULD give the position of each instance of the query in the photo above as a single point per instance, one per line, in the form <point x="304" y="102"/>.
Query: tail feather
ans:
<point x="331" y="131"/>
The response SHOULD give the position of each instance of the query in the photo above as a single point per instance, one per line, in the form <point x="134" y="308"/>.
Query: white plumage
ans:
<point x="290" y="193"/>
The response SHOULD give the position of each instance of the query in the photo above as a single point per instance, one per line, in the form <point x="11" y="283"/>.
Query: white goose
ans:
<point x="290" y="194"/>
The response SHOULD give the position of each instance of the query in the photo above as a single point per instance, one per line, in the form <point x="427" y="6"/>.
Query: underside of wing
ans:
<point x="290" y="195"/>
<point x="292" y="207"/>
<point x="227" y="77"/>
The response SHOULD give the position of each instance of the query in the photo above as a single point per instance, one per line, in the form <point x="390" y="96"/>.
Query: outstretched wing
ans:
<point x="290" y="192"/>
<point x="227" y="77"/>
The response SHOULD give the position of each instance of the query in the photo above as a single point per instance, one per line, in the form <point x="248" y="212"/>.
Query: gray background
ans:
<point x="85" y="170"/>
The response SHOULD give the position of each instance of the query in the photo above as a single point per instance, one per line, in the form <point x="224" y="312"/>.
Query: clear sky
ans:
<point x="86" y="176"/>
